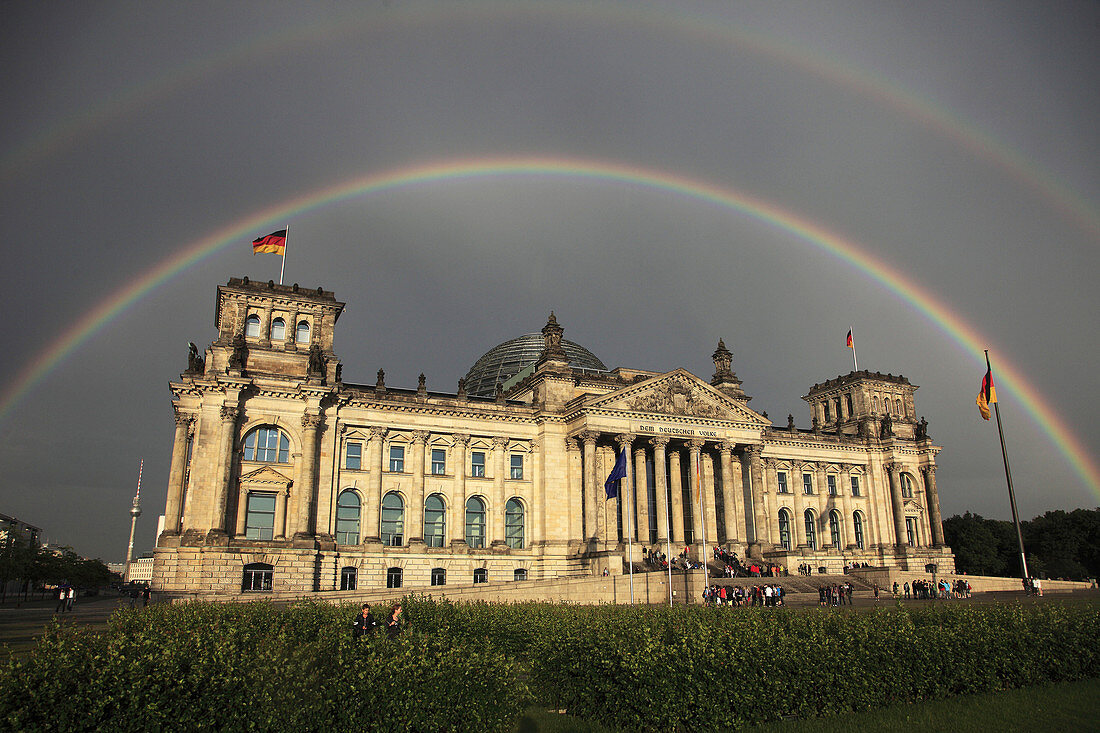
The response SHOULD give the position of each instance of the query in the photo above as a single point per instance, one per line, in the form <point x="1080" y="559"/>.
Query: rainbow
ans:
<point x="242" y="231"/>
<point x="698" y="28"/>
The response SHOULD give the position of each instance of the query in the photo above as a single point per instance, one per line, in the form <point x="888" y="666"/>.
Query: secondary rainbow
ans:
<point x="696" y="26"/>
<point x="810" y="233"/>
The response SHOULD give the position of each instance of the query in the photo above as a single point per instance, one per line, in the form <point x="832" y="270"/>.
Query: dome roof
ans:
<point x="504" y="361"/>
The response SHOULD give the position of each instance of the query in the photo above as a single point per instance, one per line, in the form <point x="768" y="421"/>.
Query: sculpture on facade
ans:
<point x="195" y="363"/>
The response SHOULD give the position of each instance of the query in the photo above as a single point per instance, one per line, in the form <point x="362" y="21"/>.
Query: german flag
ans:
<point x="274" y="243"/>
<point x="988" y="393"/>
<point x="851" y="343"/>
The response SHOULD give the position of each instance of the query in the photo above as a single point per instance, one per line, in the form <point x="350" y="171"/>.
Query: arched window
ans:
<point x="393" y="577"/>
<point x="874" y="404"/>
<point x="857" y="527"/>
<point x="513" y="524"/>
<point x="258" y="576"/>
<point x="393" y="521"/>
<point x="785" y="530"/>
<point x="278" y="329"/>
<point x="825" y="404"/>
<point x="252" y="326"/>
<point x="267" y="444"/>
<point x="906" y="486"/>
<point x="481" y="575"/>
<point x="834" y="529"/>
<point x="439" y="576"/>
<point x="475" y="522"/>
<point x="434" y="520"/>
<point x="349" y="578"/>
<point x="259" y="516"/>
<point x="848" y="402"/>
<point x="899" y="410"/>
<point x="301" y="335"/>
<point x="519" y="574"/>
<point x="811" y="530"/>
<point x="347" y="518"/>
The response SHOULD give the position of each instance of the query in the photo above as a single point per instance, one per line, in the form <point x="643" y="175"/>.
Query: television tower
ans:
<point x="135" y="512"/>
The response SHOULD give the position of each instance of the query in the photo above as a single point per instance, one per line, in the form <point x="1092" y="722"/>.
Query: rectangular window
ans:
<point x="477" y="464"/>
<point x="354" y="456"/>
<point x="439" y="461"/>
<point x="807" y="483"/>
<point x="911" y="531"/>
<point x="397" y="459"/>
<point x="855" y="485"/>
<point x="831" y="481"/>
<point x="782" y="478"/>
<point x="517" y="465"/>
<point x="259" y="523"/>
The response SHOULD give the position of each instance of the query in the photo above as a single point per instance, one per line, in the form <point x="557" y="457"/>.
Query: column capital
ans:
<point x="183" y="418"/>
<point x="696" y="444"/>
<point x="311" y="421"/>
<point x="726" y="446"/>
<point x="892" y="467"/>
<point x="771" y="462"/>
<point x="461" y="439"/>
<point x="625" y="439"/>
<point x="572" y="444"/>
<point x="821" y="465"/>
<point x="753" y="450"/>
<point x="500" y="442"/>
<point x="533" y="446"/>
<point x="659" y="442"/>
<point x="588" y="436"/>
<point x="929" y="470"/>
<point x="420" y="437"/>
<point x="378" y="432"/>
<point x="230" y="413"/>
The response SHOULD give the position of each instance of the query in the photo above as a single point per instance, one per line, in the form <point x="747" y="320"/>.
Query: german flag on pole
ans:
<point x="988" y="394"/>
<point x="274" y="243"/>
<point x="851" y="343"/>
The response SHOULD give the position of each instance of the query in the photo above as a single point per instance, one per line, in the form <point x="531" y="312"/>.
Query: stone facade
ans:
<point x="284" y="477"/>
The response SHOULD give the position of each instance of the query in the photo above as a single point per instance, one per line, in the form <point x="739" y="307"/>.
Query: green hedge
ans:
<point x="471" y="666"/>
<point x="254" y="667"/>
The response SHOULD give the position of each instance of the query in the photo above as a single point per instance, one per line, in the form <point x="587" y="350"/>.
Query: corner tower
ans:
<point x="868" y="404"/>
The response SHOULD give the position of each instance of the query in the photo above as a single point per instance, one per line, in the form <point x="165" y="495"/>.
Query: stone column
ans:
<point x="798" y="496"/>
<point x="933" y="498"/>
<point x="845" y="490"/>
<point x="225" y="469"/>
<point x="699" y="530"/>
<point x="372" y="522"/>
<point x="458" y="499"/>
<point x="641" y="497"/>
<point x="824" y="503"/>
<point x="772" y="499"/>
<point x="576" y="489"/>
<point x="242" y="501"/>
<point x="675" y="481"/>
<point x="177" y="473"/>
<point x="414" y="522"/>
<point x="756" y="477"/>
<point x="280" y="514"/>
<point x="893" y="469"/>
<point x="626" y="502"/>
<point x="592" y="503"/>
<point x="496" y="515"/>
<point x="535" y="529"/>
<point x="660" y="478"/>
<point x="731" y="507"/>
<point x="307" y="492"/>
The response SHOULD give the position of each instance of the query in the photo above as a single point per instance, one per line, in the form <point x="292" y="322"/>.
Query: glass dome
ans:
<point x="504" y="361"/>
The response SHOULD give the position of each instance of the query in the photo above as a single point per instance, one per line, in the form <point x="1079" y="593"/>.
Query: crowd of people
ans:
<point x="767" y="595"/>
<point x="836" y="594"/>
<point x="923" y="590"/>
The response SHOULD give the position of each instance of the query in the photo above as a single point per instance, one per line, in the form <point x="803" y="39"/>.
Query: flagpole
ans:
<point x="697" y="457"/>
<point x="855" y="361"/>
<point x="627" y="512"/>
<point x="1008" y="476"/>
<point x="286" y="240"/>
<point x="668" y="537"/>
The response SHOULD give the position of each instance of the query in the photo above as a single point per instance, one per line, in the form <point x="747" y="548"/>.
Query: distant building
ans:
<point x="284" y="477"/>
<point x="11" y="528"/>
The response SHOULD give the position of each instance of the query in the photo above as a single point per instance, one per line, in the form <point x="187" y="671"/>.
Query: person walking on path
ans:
<point x="62" y="600"/>
<point x="70" y="599"/>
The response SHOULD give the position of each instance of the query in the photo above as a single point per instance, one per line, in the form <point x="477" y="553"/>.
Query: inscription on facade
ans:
<point x="673" y="430"/>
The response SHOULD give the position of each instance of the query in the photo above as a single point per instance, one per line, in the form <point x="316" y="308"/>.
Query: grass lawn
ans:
<point x="1070" y="707"/>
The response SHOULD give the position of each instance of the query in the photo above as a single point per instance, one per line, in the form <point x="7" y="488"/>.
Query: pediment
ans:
<point x="912" y="504"/>
<point x="677" y="393"/>
<point x="266" y="475"/>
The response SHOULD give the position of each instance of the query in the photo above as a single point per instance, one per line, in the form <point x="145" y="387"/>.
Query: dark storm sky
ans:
<point x="956" y="143"/>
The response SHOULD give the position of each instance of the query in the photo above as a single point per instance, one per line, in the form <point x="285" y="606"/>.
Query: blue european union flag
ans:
<point x="618" y="472"/>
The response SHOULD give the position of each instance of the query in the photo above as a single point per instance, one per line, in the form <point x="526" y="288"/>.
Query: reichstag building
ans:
<point x="285" y="478"/>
